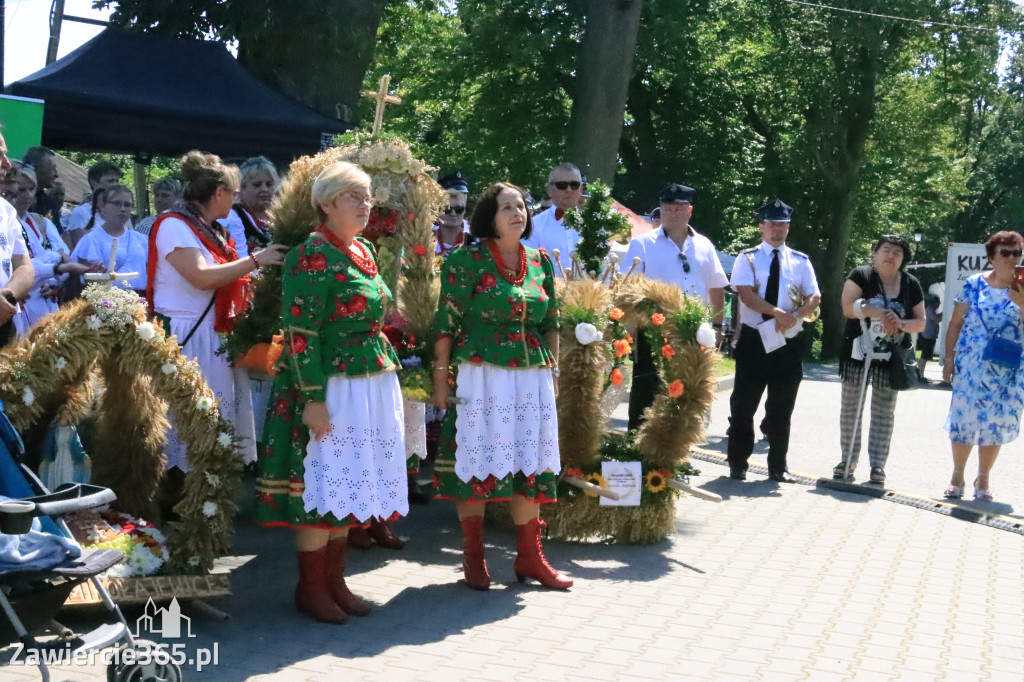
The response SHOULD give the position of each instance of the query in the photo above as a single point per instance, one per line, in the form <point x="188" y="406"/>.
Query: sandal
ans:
<point x="954" y="492"/>
<point x="982" y="494"/>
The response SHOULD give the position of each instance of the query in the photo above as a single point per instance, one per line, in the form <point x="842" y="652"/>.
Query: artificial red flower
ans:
<point x="616" y="313"/>
<point x="299" y="343"/>
<point x="667" y="351"/>
<point x="411" y="216"/>
<point x="675" y="389"/>
<point x="615" y="377"/>
<point x="419" y="250"/>
<point x="658" y="319"/>
<point x="621" y="348"/>
<point x="296" y="311"/>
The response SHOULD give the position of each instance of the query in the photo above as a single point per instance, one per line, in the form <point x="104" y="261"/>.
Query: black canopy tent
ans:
<point x="145" y="94"/>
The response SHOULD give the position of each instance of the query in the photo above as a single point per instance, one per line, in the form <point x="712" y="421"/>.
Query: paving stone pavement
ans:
<point x="776" y="583"/>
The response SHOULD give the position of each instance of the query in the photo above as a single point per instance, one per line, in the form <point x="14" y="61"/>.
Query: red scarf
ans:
<point x="231" y="299"/>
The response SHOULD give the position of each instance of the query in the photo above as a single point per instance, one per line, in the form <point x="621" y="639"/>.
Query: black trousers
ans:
<point x="646" y="382"/>
<point x="780" y="373"/>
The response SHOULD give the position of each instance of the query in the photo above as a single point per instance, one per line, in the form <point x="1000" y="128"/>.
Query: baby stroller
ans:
<point x="31" y="594"/>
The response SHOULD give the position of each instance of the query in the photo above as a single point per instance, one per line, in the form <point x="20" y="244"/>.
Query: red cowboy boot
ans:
<point x="311" y="594"/>
<point x="382" y="534"/>
<point x="334" y="571"/>
<point x="474" y="565"/>
<point x="530" y="561"/>
<point x="359" y="538"/>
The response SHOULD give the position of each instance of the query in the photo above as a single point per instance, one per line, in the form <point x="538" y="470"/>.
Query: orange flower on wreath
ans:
<point x="675" y="389"/>
<point x="615" y="377"/>
<point x="573" y="472"/>
<point x="621" y="348"/>
<point x="658" y="319"/>
<point x="667" y="351"/>
<point x="616" y="313"/>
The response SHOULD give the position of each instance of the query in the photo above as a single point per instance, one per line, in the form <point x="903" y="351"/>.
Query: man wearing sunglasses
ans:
<point x="452" y="226"/>
<point x="565" y="187"/>
<point x="763" y="278"/>
<point x="677" y="254"/>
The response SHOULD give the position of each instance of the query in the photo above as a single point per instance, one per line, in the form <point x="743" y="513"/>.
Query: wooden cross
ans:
<point x="110" y="276"/>
<point x="383" y="99"/>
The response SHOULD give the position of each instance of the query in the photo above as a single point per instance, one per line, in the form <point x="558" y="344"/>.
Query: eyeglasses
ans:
<point x="357" y="199"/>
<point x="1007" y="253"/>
<point x="457" y="210"/>
<point x="121" y="204"/>
<point x="567" y="184"/>
<point x="686" y="263"/>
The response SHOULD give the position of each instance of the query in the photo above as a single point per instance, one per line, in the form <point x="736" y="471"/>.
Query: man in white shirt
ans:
<point x="676" y="254"/>
<point x="16" y="272"/>
<point x="452" y="226"/>
<point x="765" y="279"/>
<point x="565" y="187"/>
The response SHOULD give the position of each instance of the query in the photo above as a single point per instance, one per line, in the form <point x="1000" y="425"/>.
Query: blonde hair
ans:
<point x="336" y="179"/>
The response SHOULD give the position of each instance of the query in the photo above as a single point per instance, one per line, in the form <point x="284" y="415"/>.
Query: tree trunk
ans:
<point x="317" y="51"/>
<point x="599" y="98"/>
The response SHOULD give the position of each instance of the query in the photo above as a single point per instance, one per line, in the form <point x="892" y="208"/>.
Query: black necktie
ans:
<point x="771" y="293"/>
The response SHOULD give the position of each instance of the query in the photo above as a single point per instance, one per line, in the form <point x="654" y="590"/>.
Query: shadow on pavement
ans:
<point x="753" y="487"/>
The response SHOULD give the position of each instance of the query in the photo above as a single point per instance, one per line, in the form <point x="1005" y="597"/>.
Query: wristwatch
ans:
<point x="555" y="371"/>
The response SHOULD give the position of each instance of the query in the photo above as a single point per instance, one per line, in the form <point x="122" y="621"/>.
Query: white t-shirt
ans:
<point x="40" y="232"/>
<point x="236" y="227"/>
<point x="173" y="296"/>
<point x="549" y="234"/>
<point x="660" y="259"/>
<point x="11" y="241"/>
<point x="794" y="268"/>
<point x="79" y="218"/>
<point x="132" y="254"/>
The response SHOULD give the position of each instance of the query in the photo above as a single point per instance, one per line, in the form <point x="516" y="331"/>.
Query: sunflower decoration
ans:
<point x="598" y="480"/>
<point x="657" y="480"/>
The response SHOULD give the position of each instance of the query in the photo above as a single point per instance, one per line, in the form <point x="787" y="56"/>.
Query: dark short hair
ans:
<point x="481" y="225"/>
<point x="101" y="168"/>
<point x="1003" y="238"/>
<point x="897" y="240"/>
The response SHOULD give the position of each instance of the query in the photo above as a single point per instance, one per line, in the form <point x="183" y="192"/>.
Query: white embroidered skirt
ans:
<point x="415" y="429"/>
<point x="507" y="424"/>
<point x="234" y="399"/>
<point x="359" y="467"/>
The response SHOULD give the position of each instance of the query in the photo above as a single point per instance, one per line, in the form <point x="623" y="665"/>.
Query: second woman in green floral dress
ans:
<point x="497" y="322"/>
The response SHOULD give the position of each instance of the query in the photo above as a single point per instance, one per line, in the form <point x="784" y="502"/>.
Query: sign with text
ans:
<point x="962" y="261"/>
<point x="624" y="478"/>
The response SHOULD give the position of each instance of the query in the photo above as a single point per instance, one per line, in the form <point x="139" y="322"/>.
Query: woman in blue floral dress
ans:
<point x="988" y="395"/>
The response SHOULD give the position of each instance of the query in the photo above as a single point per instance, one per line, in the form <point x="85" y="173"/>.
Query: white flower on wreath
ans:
<point x="93" y="323"/>
<point x="193" y="561"/>
<point x="224" y="439"/>
<point x="146" y="331"/>
<point x="204" y="404"/>
<point x="706" y="335"/>
<point x="213" y="480"/>
<point x="587" y="333"/>
<point x="27" y="396"/>
<point x="168" y="368"/>
<point x="60" y="363"/>
<point x="209" y="509"/>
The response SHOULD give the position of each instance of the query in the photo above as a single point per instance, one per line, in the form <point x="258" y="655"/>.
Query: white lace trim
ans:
<point x="507" y="424"/>
<point x="415" y="429"/>
<point x="359" y="468"/>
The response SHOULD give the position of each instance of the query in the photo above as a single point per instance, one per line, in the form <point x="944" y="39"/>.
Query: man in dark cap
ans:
<point x="769" y="352"/>
<point x="452" y="225"/>
<point x="677" y="254"/>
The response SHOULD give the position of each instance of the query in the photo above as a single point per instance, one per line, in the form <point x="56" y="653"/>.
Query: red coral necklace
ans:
<point x="362" y="260"/>
<point x="510" y="275"/>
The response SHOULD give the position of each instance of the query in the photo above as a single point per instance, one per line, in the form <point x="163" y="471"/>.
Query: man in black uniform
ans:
<point x="766" y="278"/>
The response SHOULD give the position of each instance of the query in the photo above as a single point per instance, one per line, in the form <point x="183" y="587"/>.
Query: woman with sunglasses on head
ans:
<point x="892" y="302"/>
<point x="983" y="360"/>
<point x="115" y="207"/>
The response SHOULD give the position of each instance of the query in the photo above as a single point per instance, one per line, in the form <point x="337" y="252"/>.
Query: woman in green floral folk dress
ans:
<point x="497" y="323"/>
<point x="335" y="433"/>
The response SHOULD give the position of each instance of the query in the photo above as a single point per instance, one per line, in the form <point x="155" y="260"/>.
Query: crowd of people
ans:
<point x="332" y="422"/>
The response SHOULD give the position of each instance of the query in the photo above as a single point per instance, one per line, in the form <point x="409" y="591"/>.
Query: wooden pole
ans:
<point x="56" y="19"/>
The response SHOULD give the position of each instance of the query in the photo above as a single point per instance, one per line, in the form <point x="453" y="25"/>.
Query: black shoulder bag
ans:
<point x="904" y="373"/>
